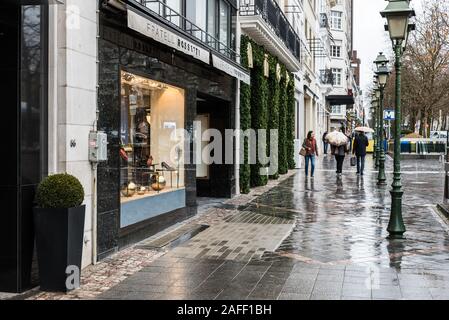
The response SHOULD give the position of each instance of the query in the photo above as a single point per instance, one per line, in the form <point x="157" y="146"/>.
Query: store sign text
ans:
<point x="157" y="32"/>
<point x="226" y="67"/>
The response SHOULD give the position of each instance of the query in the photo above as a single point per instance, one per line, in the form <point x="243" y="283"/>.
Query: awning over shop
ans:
<point x="338" y="100"/>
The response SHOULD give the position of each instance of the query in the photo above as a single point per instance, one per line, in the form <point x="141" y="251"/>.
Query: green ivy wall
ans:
<point x="268" y="103"/>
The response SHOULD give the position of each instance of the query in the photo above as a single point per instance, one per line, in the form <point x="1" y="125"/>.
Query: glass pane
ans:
<point x="151" y="152"/>
<point x="196" y="12"/>
<point x="172" y="11"/>
<point x="211" y="22"/>
<point x="32" y="96"/>
<point x="224" y="25"/>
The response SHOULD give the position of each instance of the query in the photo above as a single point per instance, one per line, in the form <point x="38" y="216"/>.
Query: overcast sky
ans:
<point x="369" y="35"/>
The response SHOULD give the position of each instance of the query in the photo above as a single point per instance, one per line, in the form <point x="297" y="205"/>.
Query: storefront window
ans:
<point x="152" y="149"/>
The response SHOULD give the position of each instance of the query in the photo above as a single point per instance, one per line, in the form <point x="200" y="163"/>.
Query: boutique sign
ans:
<point x="233" y="71"/>
<point x="154" y="30"/>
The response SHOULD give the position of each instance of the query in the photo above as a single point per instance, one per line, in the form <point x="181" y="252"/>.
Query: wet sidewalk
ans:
<point x="321" y="238"/>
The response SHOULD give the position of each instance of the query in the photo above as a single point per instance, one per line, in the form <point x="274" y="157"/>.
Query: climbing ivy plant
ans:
<point x="245" y="121"/>
<point x="273" y="112"/>
<point x="268" y="103"/>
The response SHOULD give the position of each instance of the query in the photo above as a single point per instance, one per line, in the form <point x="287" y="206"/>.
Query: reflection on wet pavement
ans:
<point x="337" y="248"/>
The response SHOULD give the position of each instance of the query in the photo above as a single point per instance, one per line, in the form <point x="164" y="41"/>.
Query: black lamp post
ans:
<point x="378" y="121"/>
<point x="382" y="75"/>
<point x="397" y="13"/>
<point x="374" y="106"/>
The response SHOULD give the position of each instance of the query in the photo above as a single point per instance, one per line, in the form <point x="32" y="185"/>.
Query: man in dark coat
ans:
<point x="360" y="144"/>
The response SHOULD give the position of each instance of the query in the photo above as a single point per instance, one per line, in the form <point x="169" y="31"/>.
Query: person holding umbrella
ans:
<point x="339" y="146"/>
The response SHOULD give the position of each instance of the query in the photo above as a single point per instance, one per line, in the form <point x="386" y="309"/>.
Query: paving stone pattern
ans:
<point x="338" y="248"/>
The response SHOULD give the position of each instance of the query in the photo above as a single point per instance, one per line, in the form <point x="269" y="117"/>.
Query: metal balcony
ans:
<point x="180" y="22"/>
<point x="265" y="22"/>
<point x="324" y="21"/>
<point x="326" y="77"/>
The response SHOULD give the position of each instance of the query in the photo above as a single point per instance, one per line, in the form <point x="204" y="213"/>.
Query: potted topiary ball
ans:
<point x="59" y="228"/>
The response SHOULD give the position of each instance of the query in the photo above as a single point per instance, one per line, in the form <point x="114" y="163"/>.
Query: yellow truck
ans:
<point x="370" y="147"/>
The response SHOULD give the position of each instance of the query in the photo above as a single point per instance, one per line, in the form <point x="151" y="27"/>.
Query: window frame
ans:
<point x="334" y="48"/>
<point x="337" y="75"/>
<point x="336" y="21"/>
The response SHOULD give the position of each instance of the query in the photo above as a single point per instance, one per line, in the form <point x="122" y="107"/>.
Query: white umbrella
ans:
<point x="337" y="138"/>
<point x="364" y="129"/>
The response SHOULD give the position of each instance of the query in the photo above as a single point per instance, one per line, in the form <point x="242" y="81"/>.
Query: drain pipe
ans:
<point x="95" y="164"/>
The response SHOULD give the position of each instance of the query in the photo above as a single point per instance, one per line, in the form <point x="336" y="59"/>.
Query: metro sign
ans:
<point x="389" y="115"/>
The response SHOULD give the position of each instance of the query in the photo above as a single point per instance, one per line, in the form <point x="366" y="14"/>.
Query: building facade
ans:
<point x="341" y="99"/>
<point x="149" y="74"/>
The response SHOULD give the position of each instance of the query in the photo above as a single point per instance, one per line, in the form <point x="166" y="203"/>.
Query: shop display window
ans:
<point x="152" y="150"/>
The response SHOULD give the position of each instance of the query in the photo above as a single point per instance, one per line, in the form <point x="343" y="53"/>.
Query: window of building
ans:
<point x="172" y="10"/>
<point x="151" y="152"/>
<point x="336" y="20"/>
<point x="336" y="51"/>
<point x="337" y="109"/>
<point x="337" y="76"/>
<point x="224" y="25"/>
<point x="212" y="20"/>
<point x="196" y="13"/>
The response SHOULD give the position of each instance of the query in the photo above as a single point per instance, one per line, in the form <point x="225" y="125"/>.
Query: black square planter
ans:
<point x="59" y="241"/>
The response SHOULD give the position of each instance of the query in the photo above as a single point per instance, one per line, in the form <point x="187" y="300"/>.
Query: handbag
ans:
<point x="353" y="161"/>
<point x="303" y="152"/>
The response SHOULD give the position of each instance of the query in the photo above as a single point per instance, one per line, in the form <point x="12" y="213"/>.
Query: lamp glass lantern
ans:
<point x="398" y="13"/>
<point x="383" y="74"/>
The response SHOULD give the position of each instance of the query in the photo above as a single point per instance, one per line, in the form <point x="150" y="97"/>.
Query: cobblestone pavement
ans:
<point x="334" y="248"/>
<point x="101" y="277"/>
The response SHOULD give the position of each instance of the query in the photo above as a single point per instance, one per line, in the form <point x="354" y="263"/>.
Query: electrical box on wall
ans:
<point x="98" y="146"/>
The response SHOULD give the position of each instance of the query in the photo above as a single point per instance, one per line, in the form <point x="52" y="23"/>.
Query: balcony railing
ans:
<point x="177" y="20"/>
<point x="270" y="11"/>
<point x="327" y="77"/>
<point x="324" y="20"/>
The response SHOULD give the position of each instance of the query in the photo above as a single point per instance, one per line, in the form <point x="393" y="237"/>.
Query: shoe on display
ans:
<point x="167" y="167"/>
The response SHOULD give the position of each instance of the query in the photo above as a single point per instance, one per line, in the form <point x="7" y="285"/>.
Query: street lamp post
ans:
<point x="446" y="176"/>
<point x="397" y="13"/>
<point x="382" y="74"/>
<point x="379" y="122"/>
<point x="375" y="118"/>
<point x="375" y="105"/>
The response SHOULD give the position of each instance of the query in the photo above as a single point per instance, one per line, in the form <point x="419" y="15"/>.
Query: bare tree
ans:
<point x="425" y="86"/>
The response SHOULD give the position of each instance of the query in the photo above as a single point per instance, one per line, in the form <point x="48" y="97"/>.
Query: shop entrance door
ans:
<point x="213" y="179"/>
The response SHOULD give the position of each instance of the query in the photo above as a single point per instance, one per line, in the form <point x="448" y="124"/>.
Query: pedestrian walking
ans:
<point x="311" y="149"/>
<point x="339" y="152"/>
<point x="360" y="145"/>
<point x="339" y="147"/>
<point x="325" y="143"/>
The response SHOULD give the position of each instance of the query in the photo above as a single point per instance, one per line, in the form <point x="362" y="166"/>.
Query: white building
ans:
<point x="341" y="97"/>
